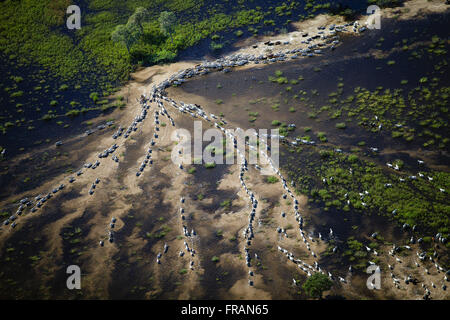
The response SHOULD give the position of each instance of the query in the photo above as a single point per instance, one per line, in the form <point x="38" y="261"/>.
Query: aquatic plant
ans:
<point x="271" y="179"/>
<point x="210" y="165"/>
<point x="276" y="122"/>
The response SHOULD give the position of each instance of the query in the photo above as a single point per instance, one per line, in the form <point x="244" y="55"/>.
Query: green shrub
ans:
<point x="276" y="122"/>
<point x="322" y="137"/>
<point x="94" y="96"/>
<point x="271" y="179"/>
<point x="210" y="165"/>
<point x="192" y="170"/>
<point x="73" y="113"/>
<point x="216" y="46"/>
<point x="225" y="203"/>
<point x="16" y="94"/>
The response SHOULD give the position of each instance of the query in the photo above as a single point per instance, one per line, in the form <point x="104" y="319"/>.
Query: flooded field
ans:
<point x="371" y="189"/>
<point x="357" y="63"/>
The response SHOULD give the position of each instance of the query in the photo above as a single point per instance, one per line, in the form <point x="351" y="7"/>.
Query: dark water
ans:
<point x="281" y="24"/>
<point x="30" y="130"/>
<point x="240" y="91"/>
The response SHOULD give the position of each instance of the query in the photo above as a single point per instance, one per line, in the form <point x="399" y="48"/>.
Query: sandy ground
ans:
<point x="153" y="200"/>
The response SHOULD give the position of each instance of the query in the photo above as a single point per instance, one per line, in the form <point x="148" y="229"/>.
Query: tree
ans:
<point x="317" y="284"/>
<point x="134" y="30"/>
<point x="138" y="17"/>
<point x="127" y="34"/>
<point x="121" y="34"/>
<point x="130" y="33"/>
<point x="167" y="22"/>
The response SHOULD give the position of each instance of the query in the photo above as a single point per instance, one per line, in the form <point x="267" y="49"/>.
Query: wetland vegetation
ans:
<point x="354" y="117"/>
<point x="63" y="67"/>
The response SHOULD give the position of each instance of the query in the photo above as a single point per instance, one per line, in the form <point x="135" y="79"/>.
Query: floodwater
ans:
<point x="240" y="93"/>
<point x="26" y="111"/>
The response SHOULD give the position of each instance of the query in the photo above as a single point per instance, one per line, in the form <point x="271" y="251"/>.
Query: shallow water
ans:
<point x="240" y="92"/>
<point x="43" y="132"/>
